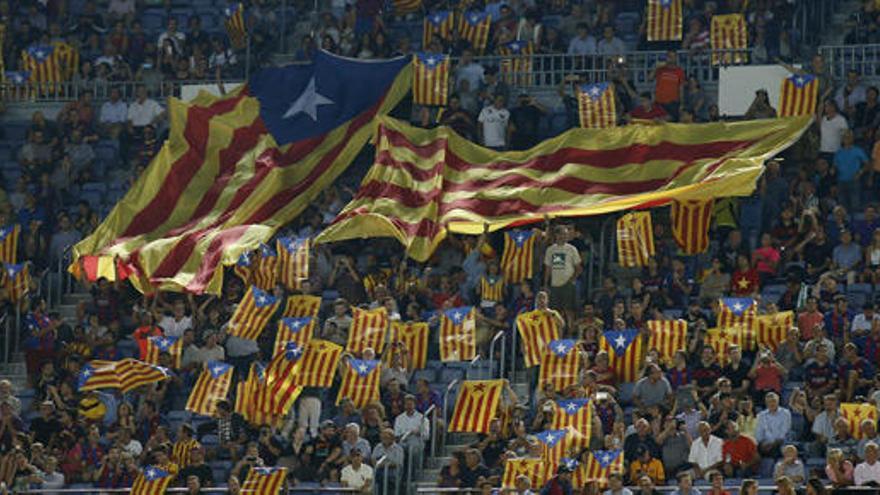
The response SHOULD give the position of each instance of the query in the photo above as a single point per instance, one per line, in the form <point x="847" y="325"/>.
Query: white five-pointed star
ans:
<point x="295" y="325"/>
<point x="217" y="369"/>
<point x="457" y="316"/>
<point x="431" y="60"/>
<point x="737" y="307"/>
<point x="437" y="19"/>
<point x="594" y="92"/>
<point x="151" y="473"/>
<point x="474" y="18"/>
<point x="261" y="299"/>
<point x="87" y="373"/>
<point x="620" y="341"/>
<point x="606" y="458"/>
<point x="362" y="368"/>
<point x="799" y="80"/>
<point x="520" y="238"/>
<point x="308" y="102"/>
<point x="561" y="349"/>
<point x="571" y="406"/>
<point x="551" y="438"/>
<point x="163" y="342"/>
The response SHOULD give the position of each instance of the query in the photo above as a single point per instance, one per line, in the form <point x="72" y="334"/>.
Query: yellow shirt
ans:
<point x="654" y="470"/>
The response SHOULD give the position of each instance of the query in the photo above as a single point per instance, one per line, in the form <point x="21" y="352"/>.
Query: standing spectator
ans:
<point x="610" y="44"/>
<point x="142" y="112"/>
<point x="563" y="266"/>
<point x="850" y="162"/>
<point x="524" y="119"/>
<point x="413" y="422"/>
<point x="648" y="109"/>
<point x="114" y="114"/>
<point x="851" y="94"/>
<point x="669" y="84"/>
<point x="171" y="34"/>
<point x="583" y="43"/>
<point x="494" y="120"/>
<point x="469" y="70"/>
<point x="832" y="126"/>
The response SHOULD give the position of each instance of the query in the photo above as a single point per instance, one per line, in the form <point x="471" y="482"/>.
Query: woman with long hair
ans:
<point x="838" y="469"/>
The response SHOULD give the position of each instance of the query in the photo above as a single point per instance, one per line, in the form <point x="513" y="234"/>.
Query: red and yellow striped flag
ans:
<point x="517" y="261"/>
<point x="361" y="382"/>
<point x="159" y="344"/>
<point x="596" y="105"/>
<point x="430" y="79"/>
<point x="211" y="386"/>
<point x="855" y="413"/>
<point x="236" y="28"/>
<point x="558" y="444"/>
<point x="413" y="335"/>
<point x="247" y="393"/>
<point x="577" y="416"/>
<point x="537" y="329"/>
<point x="720" y="342"/>
<point x="126" y="375"/>
<point x="296" y="330"/>
<point x="403" y="7"/>
<point x="516" y="66"/>
<point x="277" y="393"/>
<point x="67" y="57"/>
<point x="535" y="469"/>
<point x="367" y="331"/>
<point x="181" y="452"/>
<point x="437" y="24"/>
<point x="97" y="374"/>
<point x="476" y="406"/>
<point x="152" y="481"/>
<point x="664" y="20"/>
<point x="635" y="239"/>
<point x="729" y="37"/>
<point x="599" y="465"/>
<point x="318" y="364"/>
<point x="235" y="168"/>
<point x="560" y="364"/>
<point x="244" y="267"/>
<point x="265" y="274"/>
<point x="798" y="95"/>
<point x="42" y="64"/>
<point x="300" y="306"/>
<point x="426" y="183"/>
<point x="667" y="337"/>
<point x="625" y="353"/>
<point x="772" y="329"/>
<point x="458" y="334"/>
<point x="293" y="259"/>
<point x="265" y="481"/>
<point x="252" y="314"/>
<point x="16" y="280"/>
<point x="93" y="268"/>
<point x="737" y="312"/>
<point x="690" y="225"/>
<point x="9" y="243"/>
<point x="474" y="27"/>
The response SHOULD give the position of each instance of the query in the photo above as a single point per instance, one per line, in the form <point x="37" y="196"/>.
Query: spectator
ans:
<point x="524" y="119"/>
<point x="646" y="465"/>
<point x="171" y="34"/>
<point x="790" y="466"/>
<point x="838" y="469"/>
<point x="648" y="110"/>
<point x="740" y="453"/>
<point x="652" y="390"/>
<point x="559" y="484"/>
<point x="832" y="127"/>
<point x="413" y="422"/>
<point x="670" y="84"/>
<point x="494" y="129"/>
<point x="143" y="112"/>
<point x="685" y="485"/>
<point x="761" y="108"/>
<point x="610" y="44"/>
<point x="356" y="474"/>
<point x="774" y="423"/>
<point x="851" y="94"/>
<point x="705" y="452"/>
<point x="615" y="485"/>
<point x="868" y="472"/>
<point x="583" y="43"/>
<point x="850" y="162"/>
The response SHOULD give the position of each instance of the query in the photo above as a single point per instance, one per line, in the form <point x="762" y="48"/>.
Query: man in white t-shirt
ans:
<point x="562" y="264"/>
<point x="143" y="111"/>
<point x="832" y="125"/>
<point x="357" y="475"/>
<point x="868" y="472"/>
<point x="177" y="322"/>
<point x="493" y="124"/>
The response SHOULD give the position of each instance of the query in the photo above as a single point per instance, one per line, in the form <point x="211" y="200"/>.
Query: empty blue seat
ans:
<point x="860" y="288"/>
<point x="449" y="374"/>
<point x="426" y="374"/>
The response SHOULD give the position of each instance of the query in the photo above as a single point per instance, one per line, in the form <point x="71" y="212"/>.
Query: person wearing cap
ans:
<point x="559" y="484"/>
<point x="357" y="474"/>
<point x="46" y="426"/>
<point x="326" y="450"/>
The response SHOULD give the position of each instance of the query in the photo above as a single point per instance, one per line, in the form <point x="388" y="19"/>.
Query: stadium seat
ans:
<point x="860" y="289"/>
<point x="153" y="21"/>
<point x="449" y="374"/>
<point x="426" y="374"/>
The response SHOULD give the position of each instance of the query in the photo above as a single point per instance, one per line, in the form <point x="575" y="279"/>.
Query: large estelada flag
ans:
<point x="625" y="353"/>
<point x="720" y="341"/>
<point x="737" y="312"/>
<point x="414" y="337"/>
<point x="772" y="329"/>
<point x="476" y="405"/>
<point x="162" y="344"/>
<point x="599" y="465"/>
<point x="68" y="59"/>
<point x="265" y="273"/>
<point x="437" y="24"/>
<point x="247" y="393"/>
<point x="278" y="391"/>
<point x="237" y="167"/>
<point x="577" y="416"/>
<point x="430" y="79"/>
<point x="474" y="26"/>
<point x="690" y="224"/>
<point x="212" y="385"/>
<point x="667" y="338"/>
<point x="252" y="314"/>
<point x="318" y="364"/>
<point x="516" y="66"/>
<point x="297" y="329"/>
<point x="664" y="20"/>
<point x="236" y="28"/>
<point x="93" y="268"/>
<point x="262" y="480"/>
<point x="557" y="444"/>
<point x="301" y="305"/>
<point x="517" y="260"/>
<point x="729" y="37"/>
<point x="536" y="329"/>
<point x="243" y="267"/>
<point x="458" y="334"/>
<point x="293" y="261"/>
<point x="152" y="481"/>
<point x="535" y="469"/>
<point x="596" y="105"/>
<point x="367" y="331"/>
<point x="42" y="64"/>
<point x="560" y="364"/>
<point x="855" y="413"/>
<point x="426" y="183"/>
<point x="361" y="382"/>
<point x="9" y="243"/>
<point x="16" y="280"/>
<point x="126" y="375"/>
<point x="635" y="239"/>
<point x="798" y="95"/>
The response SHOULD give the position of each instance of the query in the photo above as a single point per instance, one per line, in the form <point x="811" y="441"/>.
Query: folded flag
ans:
<point x="414" y="336"/>
<point x="211" y="386"/>
<point x="560" y="364"/>
<point x="161" y="344"/>
<point x="635" y="239"/>
<point x="798" y="95"/>
<point x="361" y="382"/>
<point x="517" y="261"/>
<point x="9" y="243"/>
<point x="596" y="105"/>
<point x="476" y="405"/>
<point x="96" y="375"/>
<point x="773" y="329"/>
<point x="293" y="258"/>
<point x="152" y="481"/>
<point x="729" y="37"/>
<point x="855" y="413"/>
<point x="425" y="183"/>
<point x="690" y="225"/>
<point x="430" y="79"/>
<point x="318" y="364"/>
<point x="367" y="330"/>
<point x="296" y="330"/>
<point x="474" y="27"/>
<point x="625" y="353"/>
<point x="667" y="338"/>
<point x="536" y="329"/>
<point x="253" y="159"/>
<point x="252" y="314"/>
<point x="458" y="335"/>
<point x="302" y="306"/>
<point x="664" y="20"/>
<point x="437" y="24"/>
<point x="126" y="374"/>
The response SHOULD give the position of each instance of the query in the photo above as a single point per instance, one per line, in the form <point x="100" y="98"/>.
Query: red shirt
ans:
<point x="806" y="322"/>
<point x="668" y="84"/>
<point x="743" y="283"/>
<point x="140" y="336"/>
<point x="741" y="449"/>
<point x="656" y="112"/>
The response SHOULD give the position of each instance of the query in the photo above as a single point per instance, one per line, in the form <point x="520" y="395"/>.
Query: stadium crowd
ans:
<point x="807" y="240"/>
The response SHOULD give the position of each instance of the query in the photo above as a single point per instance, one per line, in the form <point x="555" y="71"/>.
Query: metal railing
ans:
<point x="502" y="336"/>
<point x="289" y="489"/>
<point x="864" y="59"/>
<point x="71" y="90"/>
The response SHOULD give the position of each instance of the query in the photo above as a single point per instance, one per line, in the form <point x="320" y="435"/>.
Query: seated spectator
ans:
<point x="705" y="454"/>
<point x="615" y="485"/>
<point x="648" y="109"/>
<point x="740" y="453"/>
<point x="838" y="469"/>
<point x="790" y="466"/>
<point x="652" y="390"/>
<point x="198" y="467"/>
<point x="685" y="485"/>
<point x="646" y="465"/>
<point x="356" y="474"/>
<point x="868" y="472"/>
<point x="773" y="426"/>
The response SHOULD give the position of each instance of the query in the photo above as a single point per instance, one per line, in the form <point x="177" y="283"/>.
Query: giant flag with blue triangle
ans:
<point x="252" y="314"/>
<point x="152" y="481"/>
<point x="458" y="334"/>
<point x="211" y="386"/>
<point x="560" y="364"/>
<point x="625" y="353"/>
<point x="361" y="382"/>
<point x="237" y="167"/>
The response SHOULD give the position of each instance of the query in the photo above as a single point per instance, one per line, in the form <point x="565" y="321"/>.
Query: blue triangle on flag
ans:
<point x="218" y="368"/>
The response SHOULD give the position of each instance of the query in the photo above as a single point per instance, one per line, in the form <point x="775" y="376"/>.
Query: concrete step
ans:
<point x="75" y="298"/>
<point x="428" y="476"/>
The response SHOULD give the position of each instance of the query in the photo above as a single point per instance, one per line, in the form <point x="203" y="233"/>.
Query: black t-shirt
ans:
<point x="525" y="120"/>
<point x="737" y="375"/>
<point x="815" y="254"/>
<point x="44" y="429"/>
<point x="469" y="476"/>
<point x="705" y="376"/>
<point x="322" y="448"/>
<point x="203" y="471"/>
